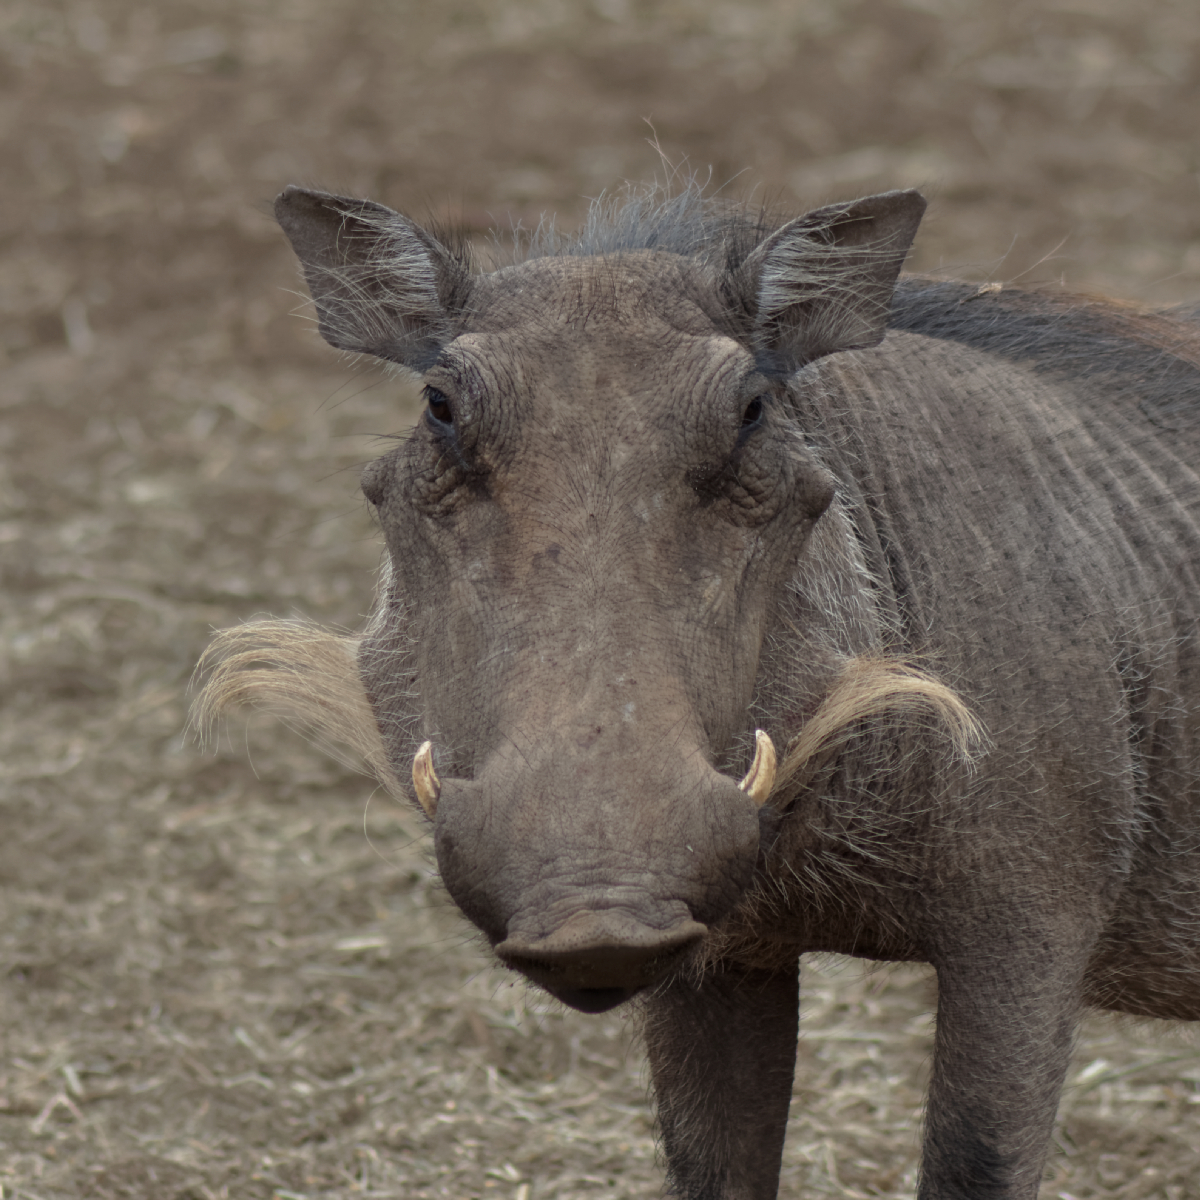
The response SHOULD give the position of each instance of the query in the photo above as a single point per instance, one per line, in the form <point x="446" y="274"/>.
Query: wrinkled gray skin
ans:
<point x="665" y="490"/>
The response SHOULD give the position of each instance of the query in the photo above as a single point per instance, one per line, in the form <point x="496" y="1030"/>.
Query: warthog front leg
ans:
<point x="1005" y="1025"/>
<point x="722" y="1055"/>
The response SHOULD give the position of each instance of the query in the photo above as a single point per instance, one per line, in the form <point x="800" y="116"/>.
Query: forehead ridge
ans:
<point x="622" y="292"/>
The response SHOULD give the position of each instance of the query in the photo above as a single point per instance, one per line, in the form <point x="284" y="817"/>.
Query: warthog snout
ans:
<point x="590" y="885"/>
<point x="596" y="960"/>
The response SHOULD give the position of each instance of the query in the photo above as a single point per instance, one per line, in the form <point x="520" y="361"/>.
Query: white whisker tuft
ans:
<point x="305" y="675"/>
<point x="873" y="688"/>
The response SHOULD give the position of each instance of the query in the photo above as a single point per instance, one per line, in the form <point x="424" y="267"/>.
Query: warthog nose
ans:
<point x="595" y="960"/>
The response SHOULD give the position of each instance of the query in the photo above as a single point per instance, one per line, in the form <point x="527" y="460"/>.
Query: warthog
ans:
<point x="692" y="485"/>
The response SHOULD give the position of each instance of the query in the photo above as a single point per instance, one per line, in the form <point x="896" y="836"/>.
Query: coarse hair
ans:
<point x="308" y="677"/>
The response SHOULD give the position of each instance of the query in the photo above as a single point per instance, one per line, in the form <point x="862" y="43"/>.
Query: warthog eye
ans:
<point x="753" y="413"/>
<point x="439" y="406"/>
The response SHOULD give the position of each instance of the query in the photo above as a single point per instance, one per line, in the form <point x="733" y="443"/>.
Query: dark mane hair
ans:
<point x="1154" y="356"/>
<point x="712" y="231"/>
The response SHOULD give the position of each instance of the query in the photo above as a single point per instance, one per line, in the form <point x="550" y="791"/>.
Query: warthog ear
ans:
<point x="381" y="284"/>
<point x="824" y="281"/>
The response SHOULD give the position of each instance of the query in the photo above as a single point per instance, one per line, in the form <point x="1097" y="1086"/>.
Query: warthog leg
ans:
<point x="1008" y="1005"/>
<point x="722" y="1056"/>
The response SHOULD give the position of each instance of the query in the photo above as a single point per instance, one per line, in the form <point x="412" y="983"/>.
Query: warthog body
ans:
<point x="693" y="474"/>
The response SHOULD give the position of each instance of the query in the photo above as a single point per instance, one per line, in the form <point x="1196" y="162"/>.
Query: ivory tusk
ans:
<point x="429" y="786"/>
<point x="760" y="779"/>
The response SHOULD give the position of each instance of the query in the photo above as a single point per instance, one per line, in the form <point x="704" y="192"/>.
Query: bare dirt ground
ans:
<point x="232" y="974"/>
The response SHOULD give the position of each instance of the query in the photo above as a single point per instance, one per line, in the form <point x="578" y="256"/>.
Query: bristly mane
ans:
<point x="714" y="232"/>
<point x="1153" y="356"/>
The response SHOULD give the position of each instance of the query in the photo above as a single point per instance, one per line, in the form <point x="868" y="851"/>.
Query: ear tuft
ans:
<point x="381" y="284"/>
<point x="824" y="282"/>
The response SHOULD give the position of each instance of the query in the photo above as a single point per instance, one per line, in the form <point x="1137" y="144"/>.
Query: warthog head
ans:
<point x="590" y="534"/>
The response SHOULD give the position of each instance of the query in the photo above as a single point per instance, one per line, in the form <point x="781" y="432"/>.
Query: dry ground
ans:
<point x="233" y="974"/>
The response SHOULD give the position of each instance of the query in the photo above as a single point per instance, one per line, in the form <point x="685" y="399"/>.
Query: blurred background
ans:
<point x="231" y="974"/>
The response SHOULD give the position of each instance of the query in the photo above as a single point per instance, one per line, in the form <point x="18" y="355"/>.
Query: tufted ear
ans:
<point x="381" y="284"/>
<point x="824" y="281"/>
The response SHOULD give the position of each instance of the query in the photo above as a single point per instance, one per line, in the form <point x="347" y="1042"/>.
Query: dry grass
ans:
<point x="234" y="974"/>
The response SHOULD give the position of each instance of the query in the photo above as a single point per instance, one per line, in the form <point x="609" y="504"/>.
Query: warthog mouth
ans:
<point x="565" y="983"/>
<point x="596" y="961"/>
<point x="594" y="1000"/>
<point x="584" y="999"/>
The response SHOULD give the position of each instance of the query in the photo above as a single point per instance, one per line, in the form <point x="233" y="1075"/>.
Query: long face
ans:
<point x="590" y="531"/>
<point x="592" y="525"/>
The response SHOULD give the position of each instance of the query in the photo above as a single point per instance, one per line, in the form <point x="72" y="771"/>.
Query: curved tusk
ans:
<point x="428" y="785"/>
<point x="760" y="779"/>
